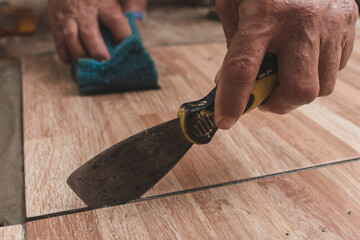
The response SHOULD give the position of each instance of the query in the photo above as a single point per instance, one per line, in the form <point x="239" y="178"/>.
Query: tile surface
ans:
<point x="63" y="129"/>
<point x="316" y="204"/>
<point x="15" y="232"/>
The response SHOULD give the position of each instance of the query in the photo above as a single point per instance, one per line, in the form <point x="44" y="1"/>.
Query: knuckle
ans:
<point x="308" y="8"/>
<point x="87" y="30"/>
<point x="346" y="16"/>
<point x="304" y="14"/>
<point x="271" y="6"/>
<point x="305" y="93"/>
<point x="69" y="33"/>
<point x="350" y="12"/>
<point x="118" y="18"/>
<point x="241" y="69"/>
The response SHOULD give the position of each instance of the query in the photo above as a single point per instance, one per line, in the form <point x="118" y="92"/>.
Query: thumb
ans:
<point x="236" y="78"/>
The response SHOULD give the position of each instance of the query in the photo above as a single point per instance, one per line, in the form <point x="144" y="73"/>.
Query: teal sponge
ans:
<point x="130" y="67"/>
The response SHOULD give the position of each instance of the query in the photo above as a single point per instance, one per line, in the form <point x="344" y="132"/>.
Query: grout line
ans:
<point x="57" y="214"/>
<point x="79" y="210"/>
<point x="22" y="148"/>
<point x="246" y="180"/>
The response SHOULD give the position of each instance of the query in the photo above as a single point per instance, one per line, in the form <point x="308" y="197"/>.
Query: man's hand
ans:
<point x="75" y="25"/>
<point x="313" y="40"/>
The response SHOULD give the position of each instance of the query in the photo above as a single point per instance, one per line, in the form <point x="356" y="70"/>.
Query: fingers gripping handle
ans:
<point x="197" y="118"/>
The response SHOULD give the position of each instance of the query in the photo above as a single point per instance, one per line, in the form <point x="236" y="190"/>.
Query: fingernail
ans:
<point x="225" y="123"/>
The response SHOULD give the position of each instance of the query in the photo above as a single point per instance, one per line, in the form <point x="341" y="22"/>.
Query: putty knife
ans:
<point x="128" y="169"/>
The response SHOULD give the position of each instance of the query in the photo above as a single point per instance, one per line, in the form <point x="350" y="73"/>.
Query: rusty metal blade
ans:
<point x="128" y="169"/>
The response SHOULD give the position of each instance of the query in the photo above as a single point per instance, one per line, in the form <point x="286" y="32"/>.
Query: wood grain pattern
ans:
<point x="180" y="25"/>
<point x="15" y="232"/>
<point x="62" y="129"/>
<point x="316" y="204"/>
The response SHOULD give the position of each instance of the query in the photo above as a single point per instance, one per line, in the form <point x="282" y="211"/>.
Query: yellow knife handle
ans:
<point x="197" y="118"/>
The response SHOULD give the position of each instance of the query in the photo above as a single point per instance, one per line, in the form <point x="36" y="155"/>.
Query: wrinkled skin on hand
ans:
<point x="75" y="25"/>
<point x="313" y="40"/>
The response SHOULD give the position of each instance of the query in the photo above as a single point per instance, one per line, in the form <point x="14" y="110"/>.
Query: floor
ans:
<point x="315" y="204"/>
<point x="270" y="177"/>
<point x="12" y="205"/>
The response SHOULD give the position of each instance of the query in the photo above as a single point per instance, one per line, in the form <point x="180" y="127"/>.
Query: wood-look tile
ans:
<point x="14" y="232"/>
<point x="316" y="204"/>
<point x="63" y="129"/>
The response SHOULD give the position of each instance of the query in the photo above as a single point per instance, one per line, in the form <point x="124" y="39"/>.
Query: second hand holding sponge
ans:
<point x="130" y="67"/>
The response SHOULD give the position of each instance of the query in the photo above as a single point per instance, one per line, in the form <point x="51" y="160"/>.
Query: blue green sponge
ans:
<point x="130" y="67"/>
